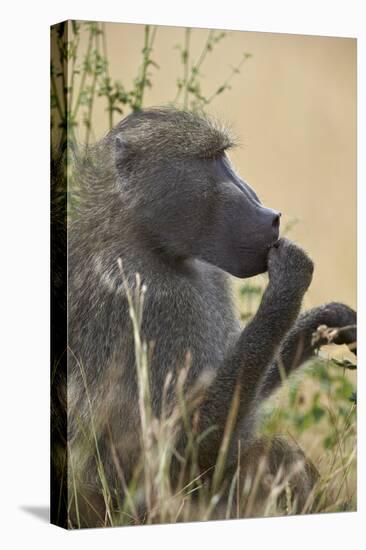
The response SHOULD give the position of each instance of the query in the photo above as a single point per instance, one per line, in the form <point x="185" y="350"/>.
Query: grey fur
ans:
<point x="159" y="193"/>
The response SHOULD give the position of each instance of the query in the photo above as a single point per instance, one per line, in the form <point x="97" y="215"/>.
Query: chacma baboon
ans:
<point x="159" y="196"/>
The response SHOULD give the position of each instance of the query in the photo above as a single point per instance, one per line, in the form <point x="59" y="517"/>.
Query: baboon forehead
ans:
<point x="175" y="131"/>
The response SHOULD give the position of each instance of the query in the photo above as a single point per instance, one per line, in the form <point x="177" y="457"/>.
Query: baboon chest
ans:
<point x="191" y="319"/>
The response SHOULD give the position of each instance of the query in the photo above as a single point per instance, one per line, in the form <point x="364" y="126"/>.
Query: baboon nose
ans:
<point x="276" y="219"/>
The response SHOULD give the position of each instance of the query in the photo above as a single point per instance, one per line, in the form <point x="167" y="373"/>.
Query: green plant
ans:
<point x="78" y="79"/>
<point x="189" y="92"/>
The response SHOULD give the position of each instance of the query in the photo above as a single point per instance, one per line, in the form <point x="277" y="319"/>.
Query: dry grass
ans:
<point x="312" y="408"/>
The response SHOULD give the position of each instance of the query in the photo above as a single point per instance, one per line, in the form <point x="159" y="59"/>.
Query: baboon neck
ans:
<point x="115" y="261"/>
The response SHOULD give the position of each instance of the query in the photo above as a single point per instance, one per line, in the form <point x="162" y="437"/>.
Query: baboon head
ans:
<point x="182" y="195"/>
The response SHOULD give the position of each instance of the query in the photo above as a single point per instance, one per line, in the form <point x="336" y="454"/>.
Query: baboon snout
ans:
<point x="276" y="219"/>
<point x="272" y="225"/>
<point x="275" y="226"/>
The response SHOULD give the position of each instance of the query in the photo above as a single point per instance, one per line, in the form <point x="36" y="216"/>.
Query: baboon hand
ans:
<point x="289" y="266"/>
<point x="339" y="326"/>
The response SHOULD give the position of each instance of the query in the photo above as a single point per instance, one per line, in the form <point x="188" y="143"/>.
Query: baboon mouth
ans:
<point x="275" y="243"/>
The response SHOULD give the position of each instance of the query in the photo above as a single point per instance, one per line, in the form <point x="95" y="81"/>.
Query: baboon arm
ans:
<point x="251" y="363"/>
<point x="248" y="359"/>
<point x="299" y="345"/>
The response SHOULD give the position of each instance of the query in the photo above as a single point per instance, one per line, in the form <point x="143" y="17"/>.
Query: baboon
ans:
<point x="158" y="197"/>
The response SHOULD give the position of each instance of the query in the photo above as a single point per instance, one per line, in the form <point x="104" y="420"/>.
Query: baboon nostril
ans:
<point x="276" y="220"/>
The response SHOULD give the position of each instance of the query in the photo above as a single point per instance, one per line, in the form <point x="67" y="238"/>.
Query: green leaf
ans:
<point x="353" y="397"/>
<point x="318" y="413"/>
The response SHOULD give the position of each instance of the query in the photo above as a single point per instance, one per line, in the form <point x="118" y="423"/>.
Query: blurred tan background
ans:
<point x="293" y="107"/>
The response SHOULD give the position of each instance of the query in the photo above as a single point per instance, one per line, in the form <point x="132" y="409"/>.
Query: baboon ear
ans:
<point x="121" y="151"/>
<point x="120" y="146"/>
